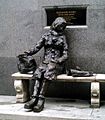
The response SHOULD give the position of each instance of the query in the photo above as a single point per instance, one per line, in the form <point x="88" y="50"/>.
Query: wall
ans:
<point x="21" y="25"/>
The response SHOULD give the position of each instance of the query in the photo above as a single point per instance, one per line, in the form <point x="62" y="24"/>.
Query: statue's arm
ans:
<point x="37" y="47"/>
<point x="65" y="52"/>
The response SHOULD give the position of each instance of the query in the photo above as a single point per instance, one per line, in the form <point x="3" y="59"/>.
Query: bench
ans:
<point x="21" y="85"/>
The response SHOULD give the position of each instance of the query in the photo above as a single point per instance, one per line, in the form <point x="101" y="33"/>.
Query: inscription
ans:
<point x="68" y="15"/>
<point x="73" y="16"/>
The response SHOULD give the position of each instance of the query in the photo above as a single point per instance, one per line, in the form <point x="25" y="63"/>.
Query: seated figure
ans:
<point x="55" y="55"/>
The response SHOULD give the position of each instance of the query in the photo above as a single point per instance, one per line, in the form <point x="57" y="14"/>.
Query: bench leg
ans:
<point x="95" y="94"/>
<point x="22" y="90"/>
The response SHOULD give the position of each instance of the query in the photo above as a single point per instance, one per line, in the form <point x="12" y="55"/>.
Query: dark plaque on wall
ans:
<point x="73" y="15"/>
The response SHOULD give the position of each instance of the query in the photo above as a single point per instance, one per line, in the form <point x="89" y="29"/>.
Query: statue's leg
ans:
<point x="37" y="87"/>
<point x="48" y="74"/>
<point x="34" y="99"/>
<point x="41" y="98"/>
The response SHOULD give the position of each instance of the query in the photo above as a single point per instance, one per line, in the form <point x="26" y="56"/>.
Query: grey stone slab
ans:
<point x="55" y="109"/>
<point x="99" y="113"/>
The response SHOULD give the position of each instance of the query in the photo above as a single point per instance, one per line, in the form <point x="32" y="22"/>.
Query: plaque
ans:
<point x="73" y="16"/>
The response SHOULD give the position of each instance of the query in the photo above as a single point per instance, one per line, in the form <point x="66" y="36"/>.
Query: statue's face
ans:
<point x="60" y="27"/>
<point x="59" y="24"/>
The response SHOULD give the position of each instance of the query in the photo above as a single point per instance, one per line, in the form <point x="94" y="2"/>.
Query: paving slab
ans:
<point x="55" y="109"/>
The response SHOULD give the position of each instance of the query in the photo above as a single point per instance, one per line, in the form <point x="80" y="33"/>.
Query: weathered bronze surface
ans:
<point x="79" y="73"/>
<point x="55" y="55"/>
<point x="26" y="64"/>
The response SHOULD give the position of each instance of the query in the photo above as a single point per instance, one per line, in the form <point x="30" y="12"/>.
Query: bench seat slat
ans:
<point x="18" y="75"/>
<point x="64" y="77"/>
<point x="100" y="77"/>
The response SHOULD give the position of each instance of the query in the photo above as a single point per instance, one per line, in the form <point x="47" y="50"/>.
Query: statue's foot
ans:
<point x="40" y="105"/>
<point x="30" y="104"/>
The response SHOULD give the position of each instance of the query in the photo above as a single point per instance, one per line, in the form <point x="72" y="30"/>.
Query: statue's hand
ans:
<point x="27" y="52"/>
<point x="58" y="61"/>
<point x="21" y="55"/>
<point x="54" y="61"/>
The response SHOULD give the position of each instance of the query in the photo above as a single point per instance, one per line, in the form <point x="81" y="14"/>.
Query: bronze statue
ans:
<point x="79" y="73"/>
<point x="55" y="55"/>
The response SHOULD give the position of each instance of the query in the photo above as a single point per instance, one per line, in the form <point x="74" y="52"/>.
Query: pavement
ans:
<point x="55" y="109"/>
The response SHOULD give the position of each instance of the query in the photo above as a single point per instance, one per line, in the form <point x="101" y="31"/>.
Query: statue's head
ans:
<point x="59" y="24"/>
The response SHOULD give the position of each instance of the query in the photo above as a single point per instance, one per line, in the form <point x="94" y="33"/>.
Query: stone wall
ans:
<point x="21" y="26"/>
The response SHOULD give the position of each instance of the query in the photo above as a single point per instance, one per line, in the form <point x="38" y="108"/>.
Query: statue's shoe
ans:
<point x="40" y="105"/>
<point x="30" y="104"/>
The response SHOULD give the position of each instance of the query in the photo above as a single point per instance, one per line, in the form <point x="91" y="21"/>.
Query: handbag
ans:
<point x="26" y="63"/>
